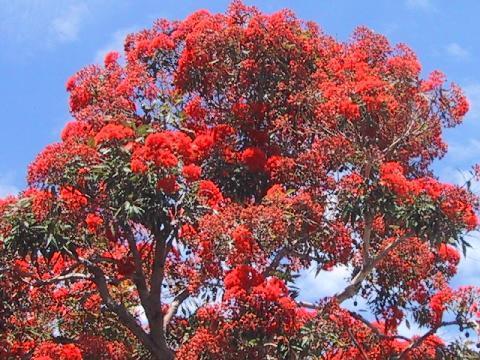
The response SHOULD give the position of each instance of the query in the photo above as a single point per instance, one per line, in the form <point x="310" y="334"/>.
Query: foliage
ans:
<point x="221" y="156"/>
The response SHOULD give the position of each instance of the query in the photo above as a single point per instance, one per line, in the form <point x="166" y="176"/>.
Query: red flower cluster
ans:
<point x="162" y="149"/>
<point x="245" y="248"/>
<point x="55" y="159"/>
<point x="254" y="158"/>
<point x="113" y="132"/>
<point x="192" y="172"/>
<point x="392" y="176"/>
<point x="263" y="306"/>
<point x="73" y="199"/>
<point x="42" y="201"/>
<point x="240" y="281"/>
<point x="209" y="193"/>
<point x="76" y="131"/>
<point x="449" y="254"/>
<point x="454" y="201"/>
<point x="439" y="302"/>
<point x="95" y="347"/>
<point x="280" y="168"/>
<point x="51" y="351"/>
<point x="111" y="58"/>
<point x="93" y="222"/>
<point x="168" y="184"/>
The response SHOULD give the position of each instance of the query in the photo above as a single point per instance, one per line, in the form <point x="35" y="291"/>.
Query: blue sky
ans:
<point x="43" y="42"/>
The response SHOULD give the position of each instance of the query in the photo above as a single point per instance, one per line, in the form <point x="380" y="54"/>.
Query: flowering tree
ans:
<point x="205" y="169"/>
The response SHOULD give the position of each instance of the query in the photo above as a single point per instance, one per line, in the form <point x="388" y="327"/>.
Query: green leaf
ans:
<point x="143" y="130"/>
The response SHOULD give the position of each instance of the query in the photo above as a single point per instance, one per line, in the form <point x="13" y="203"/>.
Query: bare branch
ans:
<point x="160" y="253"/>
<point x="408" y="133"/>
<point x="418" y="341"/>
<point x="366" y="236"/>
<point x="359" y="318"/>
<point x="357" y="345"/>
<point x="162" y="238"/>
<point x="60" y="278"/>
<point x="368" y="267"/>
<point x="138" y="277"/>
<point x="125" y="317"/>
<point x="172" y="309"/>
<point x="275" y="262"/>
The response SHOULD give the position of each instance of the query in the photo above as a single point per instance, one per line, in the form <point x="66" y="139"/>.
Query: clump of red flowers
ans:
<point x="112" y="132"/>
<point x="93" y="222"/>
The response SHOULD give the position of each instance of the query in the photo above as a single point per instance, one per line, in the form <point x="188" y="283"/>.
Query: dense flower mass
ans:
<point x="254" y="158"/>
<point x="113" y="132"/>
<point x="454" y="201"/>
<point x="214" y="163"/>
<point x="52" y="351"/>
<point x="93" y="221"/>
<point x="73" y="198"/>
<point x="209" y="193"/>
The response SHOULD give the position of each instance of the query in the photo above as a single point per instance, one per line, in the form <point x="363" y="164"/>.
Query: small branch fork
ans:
<point x="368" y="266"/>
<point x="357" y="345"/>
<point x="174" y="305"/>
<point x="150" y="295"/>
<point x="418" y="341"/>
<point x="414" y="342"/>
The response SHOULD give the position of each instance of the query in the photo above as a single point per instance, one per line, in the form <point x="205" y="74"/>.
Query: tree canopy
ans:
<point x="212" y="162"/>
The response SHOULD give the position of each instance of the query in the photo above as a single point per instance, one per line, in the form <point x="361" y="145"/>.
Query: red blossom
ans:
<point x="50" y="350"/>
<point x="113" y="132"/>
<point x="73" y="198"/>
<point x="254" y="159"/>
<point x="93" y="222"/>
<point x="168" y="184"/>
<point x="209" y="193"/>
<point x="111" y="58"/>
<point x="192" y="172"/>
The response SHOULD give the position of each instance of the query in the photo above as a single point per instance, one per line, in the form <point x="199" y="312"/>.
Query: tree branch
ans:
<point x="366" y="237"/>
<point x="357" y="345"/>
<point x="160" y="252"/>
<point x="138" y="277"/>
<point x="275" y="262"/>
<point x="417" y="342"/>
<point x="359" y="318"/>
<point x="409" y="132"/>
<point x="60" y="278"/>
<point x="125" y="317"/>
<point x="172" y="309"/>
<point x="367" y="268"/>
<point x="162" y="237"/>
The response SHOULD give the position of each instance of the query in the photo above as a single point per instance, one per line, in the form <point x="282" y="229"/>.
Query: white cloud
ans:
<point x="115" y="44"/>
<point x="420" y="4"/>
<point x="326" y="283"/>
<point x="30" y="25"/>
<point x="456" y="51"/>
<point x="65" y="27"/>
